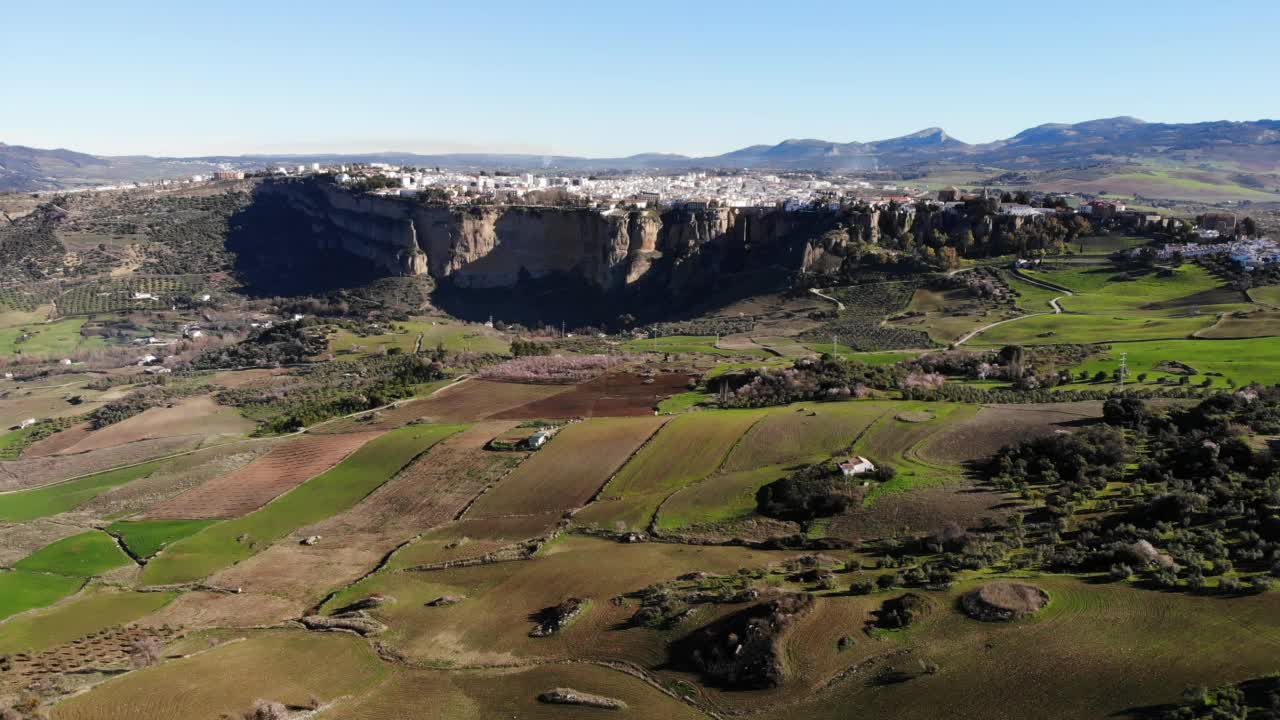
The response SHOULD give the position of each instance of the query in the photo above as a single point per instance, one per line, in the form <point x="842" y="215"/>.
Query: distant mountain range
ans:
<point x="1241" y="147"/>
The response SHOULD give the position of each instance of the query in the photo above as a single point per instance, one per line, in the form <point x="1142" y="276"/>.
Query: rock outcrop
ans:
<point x="488" y="247"/>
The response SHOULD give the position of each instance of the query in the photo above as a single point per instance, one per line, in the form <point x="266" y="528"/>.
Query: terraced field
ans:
<point x="258" y="483"/>
<point x="338" y="489"/>
<point x="570" y="469"/>
<point x="684" y="452"/>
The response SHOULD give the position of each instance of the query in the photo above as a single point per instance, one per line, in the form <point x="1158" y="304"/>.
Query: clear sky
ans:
<point x="607" y="79"/>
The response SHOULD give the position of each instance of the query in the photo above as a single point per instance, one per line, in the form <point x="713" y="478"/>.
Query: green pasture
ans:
<point x="1242" y="361"/>
<point x="21" y="590"/>
<point x="56" y="338"/>
<point x="145" y="538"/>
<point x="24" y="505"/>
<point x="86" y="555"/>
<point x="702" y="344"/>
<point x="96" y="610"/>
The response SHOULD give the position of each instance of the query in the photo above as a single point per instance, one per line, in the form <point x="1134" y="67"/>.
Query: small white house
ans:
<point x="147" y="359"/>
<point x="539" y="439"/>
<point x="856" y="465"/>
<point x="26" y="423"/>
<point x="144" y="296"/>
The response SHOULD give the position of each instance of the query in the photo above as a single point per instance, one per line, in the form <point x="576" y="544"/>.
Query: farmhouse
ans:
<point x="856" y="465"/>
<point x="539" y="439"/>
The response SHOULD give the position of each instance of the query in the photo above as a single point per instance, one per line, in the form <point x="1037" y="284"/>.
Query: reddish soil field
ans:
<point x="261" y="481"/>
<point x="430" y="492"/>
<point x="612" y="395"/>
<point x="33" y="472"/>
<point x="58" y="441"/>
<point x="465" y="401"/>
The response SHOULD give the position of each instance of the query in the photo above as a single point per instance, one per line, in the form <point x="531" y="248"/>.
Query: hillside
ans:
<point x="1244" y="154"/>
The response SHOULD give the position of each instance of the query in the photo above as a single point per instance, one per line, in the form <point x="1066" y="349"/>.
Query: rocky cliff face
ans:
<point x="676" y="251"/>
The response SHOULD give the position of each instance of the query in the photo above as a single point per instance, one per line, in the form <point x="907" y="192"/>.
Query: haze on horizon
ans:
<point x="579" y="79"/>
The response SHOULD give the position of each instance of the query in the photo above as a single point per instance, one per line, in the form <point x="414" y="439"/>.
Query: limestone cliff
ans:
<point x="497" y="246"/>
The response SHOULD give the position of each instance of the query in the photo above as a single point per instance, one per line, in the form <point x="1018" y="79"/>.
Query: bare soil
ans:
<point x="611" y="395"/>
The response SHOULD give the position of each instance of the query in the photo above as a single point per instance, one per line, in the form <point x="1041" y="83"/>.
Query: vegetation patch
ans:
<point x="145" y="538"/>
<point x="21" y="590"/>
<point x="86" y="555"/>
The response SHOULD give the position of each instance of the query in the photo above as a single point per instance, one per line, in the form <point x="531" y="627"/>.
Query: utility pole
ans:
<point x="1124" y="367"/>
<point x="834" y="345"/>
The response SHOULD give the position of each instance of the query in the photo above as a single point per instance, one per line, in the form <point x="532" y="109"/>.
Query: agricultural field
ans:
<point x="226" y="543"/>
<point x="685" y="451"/>
<point x="570" y="469"/>
<point x="1224" y="363"/>
<point x="427" y="335"/>
<point x="133" y="293"/>
<point x="61" y="337"/>
<point x="693" y="345"/>
<point x="918" y="489"/>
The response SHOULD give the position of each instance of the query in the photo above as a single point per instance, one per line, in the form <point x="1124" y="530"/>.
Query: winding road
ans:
<point x="1053" y="303"/>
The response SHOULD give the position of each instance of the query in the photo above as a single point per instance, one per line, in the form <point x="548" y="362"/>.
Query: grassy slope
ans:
<point x="1243" y="361"/>
<point x="56" y="338"/>
<point x="145" y="538"/>
<point x="685" y="451"/>
<point x="21" y="590"/>
<point x="53" y="499"/>
<point x="227" y="543"/>
<point x="284" y="666"/>
<point x="94" y="611"/>
<point x="85" y="555"/>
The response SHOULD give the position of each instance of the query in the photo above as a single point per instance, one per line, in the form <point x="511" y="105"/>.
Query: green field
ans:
<point x="56" y="338"/>
<point x="226" y="543"/>
<point x="86" y="555"/>
<point x="685" y="451"/>
<point x="25" y="505"/>
<point x="453" y="335"/>
<point x="145" y="538"/>
<point x="1242" y="361"/>
<point x="785" y="437"/>
<point x="895" y="442"/>
<point x="96" y="610"/>
<point x="21" y="590"/>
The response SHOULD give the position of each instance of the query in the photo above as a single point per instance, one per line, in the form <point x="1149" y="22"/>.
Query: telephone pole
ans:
<point x="1124" y="367"/>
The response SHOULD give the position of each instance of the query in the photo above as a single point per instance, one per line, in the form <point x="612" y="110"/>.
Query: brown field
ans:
<point x="176" y="477"/>
<point x="34" y="472"/>
<point x="286" y="666"/>
<point x="491" y="625"/>
<point x="240" y="378"/>
<point x="430" y="492"/>
<point x="998" y="425"/>
<point x="611" y="395"/>
<point x="465" y="401"/>
<point x="200" y="610"/>
<point x="511" y="693"/>
<point x="197" y="416"/>
<point x="288" y="465"/>
<point x="472" y="538"/>
<point x="18" y="540"/>
<point x="570" y="469"/>
<point x="58" y="441"/>
<point x="921" y="511"/>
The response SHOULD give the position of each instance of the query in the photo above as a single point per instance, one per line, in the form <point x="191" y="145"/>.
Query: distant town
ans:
<point x="1207" y="234"/>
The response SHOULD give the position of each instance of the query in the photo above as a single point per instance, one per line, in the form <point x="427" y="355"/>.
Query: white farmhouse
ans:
<point x="856" y="465"/>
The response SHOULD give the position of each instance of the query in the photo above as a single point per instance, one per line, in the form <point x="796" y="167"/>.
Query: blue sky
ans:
<point x="612" y="79"/>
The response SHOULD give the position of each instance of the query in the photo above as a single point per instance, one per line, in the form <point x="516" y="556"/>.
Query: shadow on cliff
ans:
<point x="279" y="252"/>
